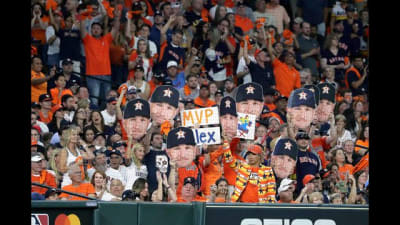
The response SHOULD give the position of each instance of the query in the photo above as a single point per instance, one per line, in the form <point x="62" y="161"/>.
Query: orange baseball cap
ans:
<point x="255" y="149"/>
<point x="308" y="178"/>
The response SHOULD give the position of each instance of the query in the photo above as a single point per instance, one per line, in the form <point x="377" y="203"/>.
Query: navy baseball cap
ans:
<point x="167" y="94"/>
<point x="137" y="107"/>
<point x="302" y="96"/>
<point x="180" y="136"/>
<point x="227" y="106"/>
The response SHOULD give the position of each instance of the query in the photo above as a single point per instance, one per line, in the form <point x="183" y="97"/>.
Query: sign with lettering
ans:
<point x="208" y="136"/>
<point x="202" y="116"/>
<point x="246" y="126"/>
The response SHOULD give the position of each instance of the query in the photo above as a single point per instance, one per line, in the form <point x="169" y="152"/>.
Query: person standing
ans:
<point x="39" y="79"/>
<point x="309" y="49"/>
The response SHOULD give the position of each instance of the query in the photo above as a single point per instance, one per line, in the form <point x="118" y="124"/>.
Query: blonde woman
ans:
<point x="72" y="152"/>
<point x="53" y="163"/>
<point x="134" y="162"/>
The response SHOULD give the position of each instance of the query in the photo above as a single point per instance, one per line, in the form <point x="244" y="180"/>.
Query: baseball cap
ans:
<point x="36" y="157"/>
<point x="204" y="86"/>
<point x="172" y="63"/>
<point x="219" y="92"/>
<point x="302" y="135"/>
<point x="132" y="90"/>
<point x="99" y="134"/>
<point x="189" y="180"/>
<point x="298" y="20"/>
<point x="37" y="196"/>
<point x="167" y="82"/>
<point x="254" y="149"/>
<point x="67" y="61"/>
<point x="285" y="185"/>
<point x="112" y="100"/>
<point x="139" y="66"/>
<point x="45" y="97"/>
<point x="308" y="178"/>
<point x="128" y="195"/>
<point x="114" y="151"/>
<point x="35" y="105"/>
<point x="228" y="79"/>
<point x="119" y="144"/>
<point x="175" y="4"/>
<point x="157" y="13"/>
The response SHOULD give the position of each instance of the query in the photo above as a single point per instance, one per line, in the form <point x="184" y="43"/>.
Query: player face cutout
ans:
<point x="183" y="155"/>
<point x="250" y="106"/>
<point x="283" y="165"/>
<point x="136" y="126"/>
<point x="324" y="109"/>
<point x="161" y="111"/>
<point x="229" y="125"/>
<point x="301" y="116"/>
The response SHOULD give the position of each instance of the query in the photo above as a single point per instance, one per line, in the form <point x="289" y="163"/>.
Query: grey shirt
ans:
<point x="305" y="46"/>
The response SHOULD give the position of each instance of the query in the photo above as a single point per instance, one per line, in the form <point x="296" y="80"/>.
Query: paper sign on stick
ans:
<point x="208" y="136"/>
<point x="202" y="116"/>
<point x="246" y="126"/>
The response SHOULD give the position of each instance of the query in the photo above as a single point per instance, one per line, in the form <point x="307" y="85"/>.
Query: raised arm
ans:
<point x="82" y="27"/>
<point x="118" y="106"/>
<point x="269" y="48"/>
<point x="165" y="28"/>
<point x="38" y="81"/>
<point x="116" y="25"/>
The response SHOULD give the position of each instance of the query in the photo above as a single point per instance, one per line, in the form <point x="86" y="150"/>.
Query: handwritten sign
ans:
<point x="202" y="116"/>
<point x="208" y="136"/>
<point x="246" y="126"/>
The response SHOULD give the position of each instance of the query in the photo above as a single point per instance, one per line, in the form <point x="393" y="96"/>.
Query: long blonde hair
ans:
<point x="131" y="154"/>
<point x="66" y="135"/>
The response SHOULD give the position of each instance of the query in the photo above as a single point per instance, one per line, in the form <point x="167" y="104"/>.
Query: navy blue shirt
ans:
<point x="169" y="53"/>
<point x="313" y="10"/>
<point x="221" y="51"/>
<point x="150" y="161"/>
<point x="263" y="76"/>
<point x="363" y="88"/>
<point x="70" y="44"/>
<point x="335" y="60"/>
<point x="307" y="163"/>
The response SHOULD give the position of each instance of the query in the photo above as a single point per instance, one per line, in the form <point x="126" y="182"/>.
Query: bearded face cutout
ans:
<point x="161" y="111"/>
<point x="136" y="126"/>
<point x="229" y="125"/>
<point x="301" y="116"/>
<point x="324" y="109"/>
<point x="162" y="163"/>
<point x="283" y="165"/>
<point x="250" y="106"/>
<point x="164" y="104"/>
<point x="183" y="155"/>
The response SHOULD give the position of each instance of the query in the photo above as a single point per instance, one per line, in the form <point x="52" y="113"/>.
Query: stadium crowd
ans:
<point x="102" y="67"/>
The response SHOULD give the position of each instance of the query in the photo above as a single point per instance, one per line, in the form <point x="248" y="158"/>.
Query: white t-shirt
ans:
<point x="242" y="67"/>
<point x="133" y="173"/>
<point x="115" y="174"/>
<point x="54" y="48"/>
<point x="346" y="136"/>
<point x="109" y="120"/>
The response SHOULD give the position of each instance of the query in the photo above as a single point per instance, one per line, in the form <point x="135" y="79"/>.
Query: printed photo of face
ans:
<point x="324" y="109"/>
<point x="136" y="126"/>
<point x="283" y="165"/>
<point x="250" y="106"/>
<point x="161" y="111"/>
<point x="301" y="116"/>
<point x="183" y="155"/>
<point x="229" y="124"/>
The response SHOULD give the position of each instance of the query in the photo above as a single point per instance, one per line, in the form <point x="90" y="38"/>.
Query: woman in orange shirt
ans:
<point x="362" y="144"/>
<point x="338" y="157"/>
<point x="219" y="191"/>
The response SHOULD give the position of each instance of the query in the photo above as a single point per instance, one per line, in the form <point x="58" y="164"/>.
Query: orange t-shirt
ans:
<point x="190" y="171"/>
<point x="54" y="92"/>
<point x="117" y="54"/>
<point x="243" y="22"/>
<point x="39" y="89"/>
<point x="196" y="199"/>
<point x="213" y="171"/>
<point x="359" y="142"/>
<point x="39" y="33"/>
<point x="250" y="193"/>
<point x="83" y="189"/>
<point x="287" y="79"/>
<point x="97" y="53"/>
<point x="45" y="119"/>
<point x="219" y="199"/>
<point x="290" y="202"/>
<point x="199" y="103"/>
<point x="320" y="145"/>
<point x="270" y="106"/>
<point x="45" y="178"/>
<point x="344" y="169"/>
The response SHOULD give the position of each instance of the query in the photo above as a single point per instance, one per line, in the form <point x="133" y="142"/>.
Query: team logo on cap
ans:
<point x="303" y="95"/>
<point x="325" y="90"/>
<point x="167" y="93"/>
<point x="138" y="106"/>
<point x="227" y="104"/>
<point x="288" y="145"/>
<point x="181" y="134"/>
<point x="250" y="89"/>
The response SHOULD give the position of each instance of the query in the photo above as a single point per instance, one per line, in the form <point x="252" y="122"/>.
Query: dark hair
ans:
<point x="189" y="76"/>
<point x="145" y="25"/>
<point x="177" y="31"/>
<point x="65" y="98"/>
<point x="220" y="180"/>
<point x="42" y="9"/>
<point x="154" y="134"/>
<point x="58" y="75"/>
<point x="97" y="23"/>
<point x="33" y="57"/>
<point x="163" y="5"/>
<point x="139" y="185"/>
<point x="362" y="137"/>
<point x="102" y="120"/>
<point x="85" y="129"/>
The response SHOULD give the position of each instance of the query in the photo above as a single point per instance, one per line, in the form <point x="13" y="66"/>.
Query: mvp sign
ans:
<point x="203" y="116"/>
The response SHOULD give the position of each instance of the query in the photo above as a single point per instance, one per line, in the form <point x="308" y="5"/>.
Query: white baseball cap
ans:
<point x="285" y="185"/>
<point x="172" y="63"/>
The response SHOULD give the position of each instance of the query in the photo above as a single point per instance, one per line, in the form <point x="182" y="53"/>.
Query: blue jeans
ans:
<point x="99" y="86"/>
<point x="53" y="60"/>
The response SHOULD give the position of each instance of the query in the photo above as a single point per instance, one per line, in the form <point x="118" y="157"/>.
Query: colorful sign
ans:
<point x="246" y="126"/>
<point x="208" y="136"/>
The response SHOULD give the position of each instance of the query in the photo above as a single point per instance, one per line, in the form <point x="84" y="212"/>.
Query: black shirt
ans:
<point x="150" y="161"/>
<point x="263" y="76"/>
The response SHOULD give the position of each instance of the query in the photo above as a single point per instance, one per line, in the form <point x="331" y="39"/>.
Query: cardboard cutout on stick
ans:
<point x="301" y="108"/>
<point x="181" y="146"/>
<point x="164" y="104"/>
<point x="326" y="101"/>
<point x="136" y="118"/>
<point x="228" y="116"/>
<point x="283" y="158"/>
<point x="250" y="99"/>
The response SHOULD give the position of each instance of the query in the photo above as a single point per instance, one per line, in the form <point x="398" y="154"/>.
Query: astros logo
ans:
<point x="71" y="219"/>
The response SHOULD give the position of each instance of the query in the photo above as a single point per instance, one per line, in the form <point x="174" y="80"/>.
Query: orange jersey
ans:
<point x="243" y="22"/>
<point x="196" y="199"/>
<point x="97" y="53"/>
<point x="287" y="79"/>
<point x="320" y="145"/>
<point x="45" y="118"/>
<point x="55" y="95"/>
<point x="250" y="193"/>
<point x="213" y="171"/>
<point x="346" y="168"/>
<point x="362" y="164"/>
<point x="199" y="103"/>
<point x="39" y="89"/>
<point x="360" y="144"/>
<point x="189" y="171"/>
<point x="83" y="189"/>
<point x="45" y="178"/>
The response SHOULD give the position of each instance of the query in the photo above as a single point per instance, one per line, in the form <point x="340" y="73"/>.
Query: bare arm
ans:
<point x="302" y="194"/>
<point x="62" y="166"/>
<point x="38" y="81"/>
<point x="358" y="83"/>
<point x="353" y="191"/>
<point x="116" y="25"/>
<point x="159" y="186"/>
<point x="332" y="138"/>
<point x="269" y="48"/>
<point x="82" y="28"/>
<point x="118" y="106"/>
<point x="245" y="53"/>
<point x="190" y="61"/>
<point x="52" y="21"/>
<point x="128" y="26"/>
<point x="165" y="28"/>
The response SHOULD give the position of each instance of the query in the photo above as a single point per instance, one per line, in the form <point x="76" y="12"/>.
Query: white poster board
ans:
<point x="202" y="116"/>
<point x="246" y="126"/>
<point x="208" y="135"/>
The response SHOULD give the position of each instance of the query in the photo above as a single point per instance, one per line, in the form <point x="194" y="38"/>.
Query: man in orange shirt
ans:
<point x="203" y="100"/>
<point x="77" y="186"/>
<point x="241" y="20"/>
<point x="97" y="51"/>
<point x="189" y="191"/>
<point x="287" y="78"/>
<point x="39" y="175"/>
<point x="45" y="114"/>
<point x="39" y="79"/>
